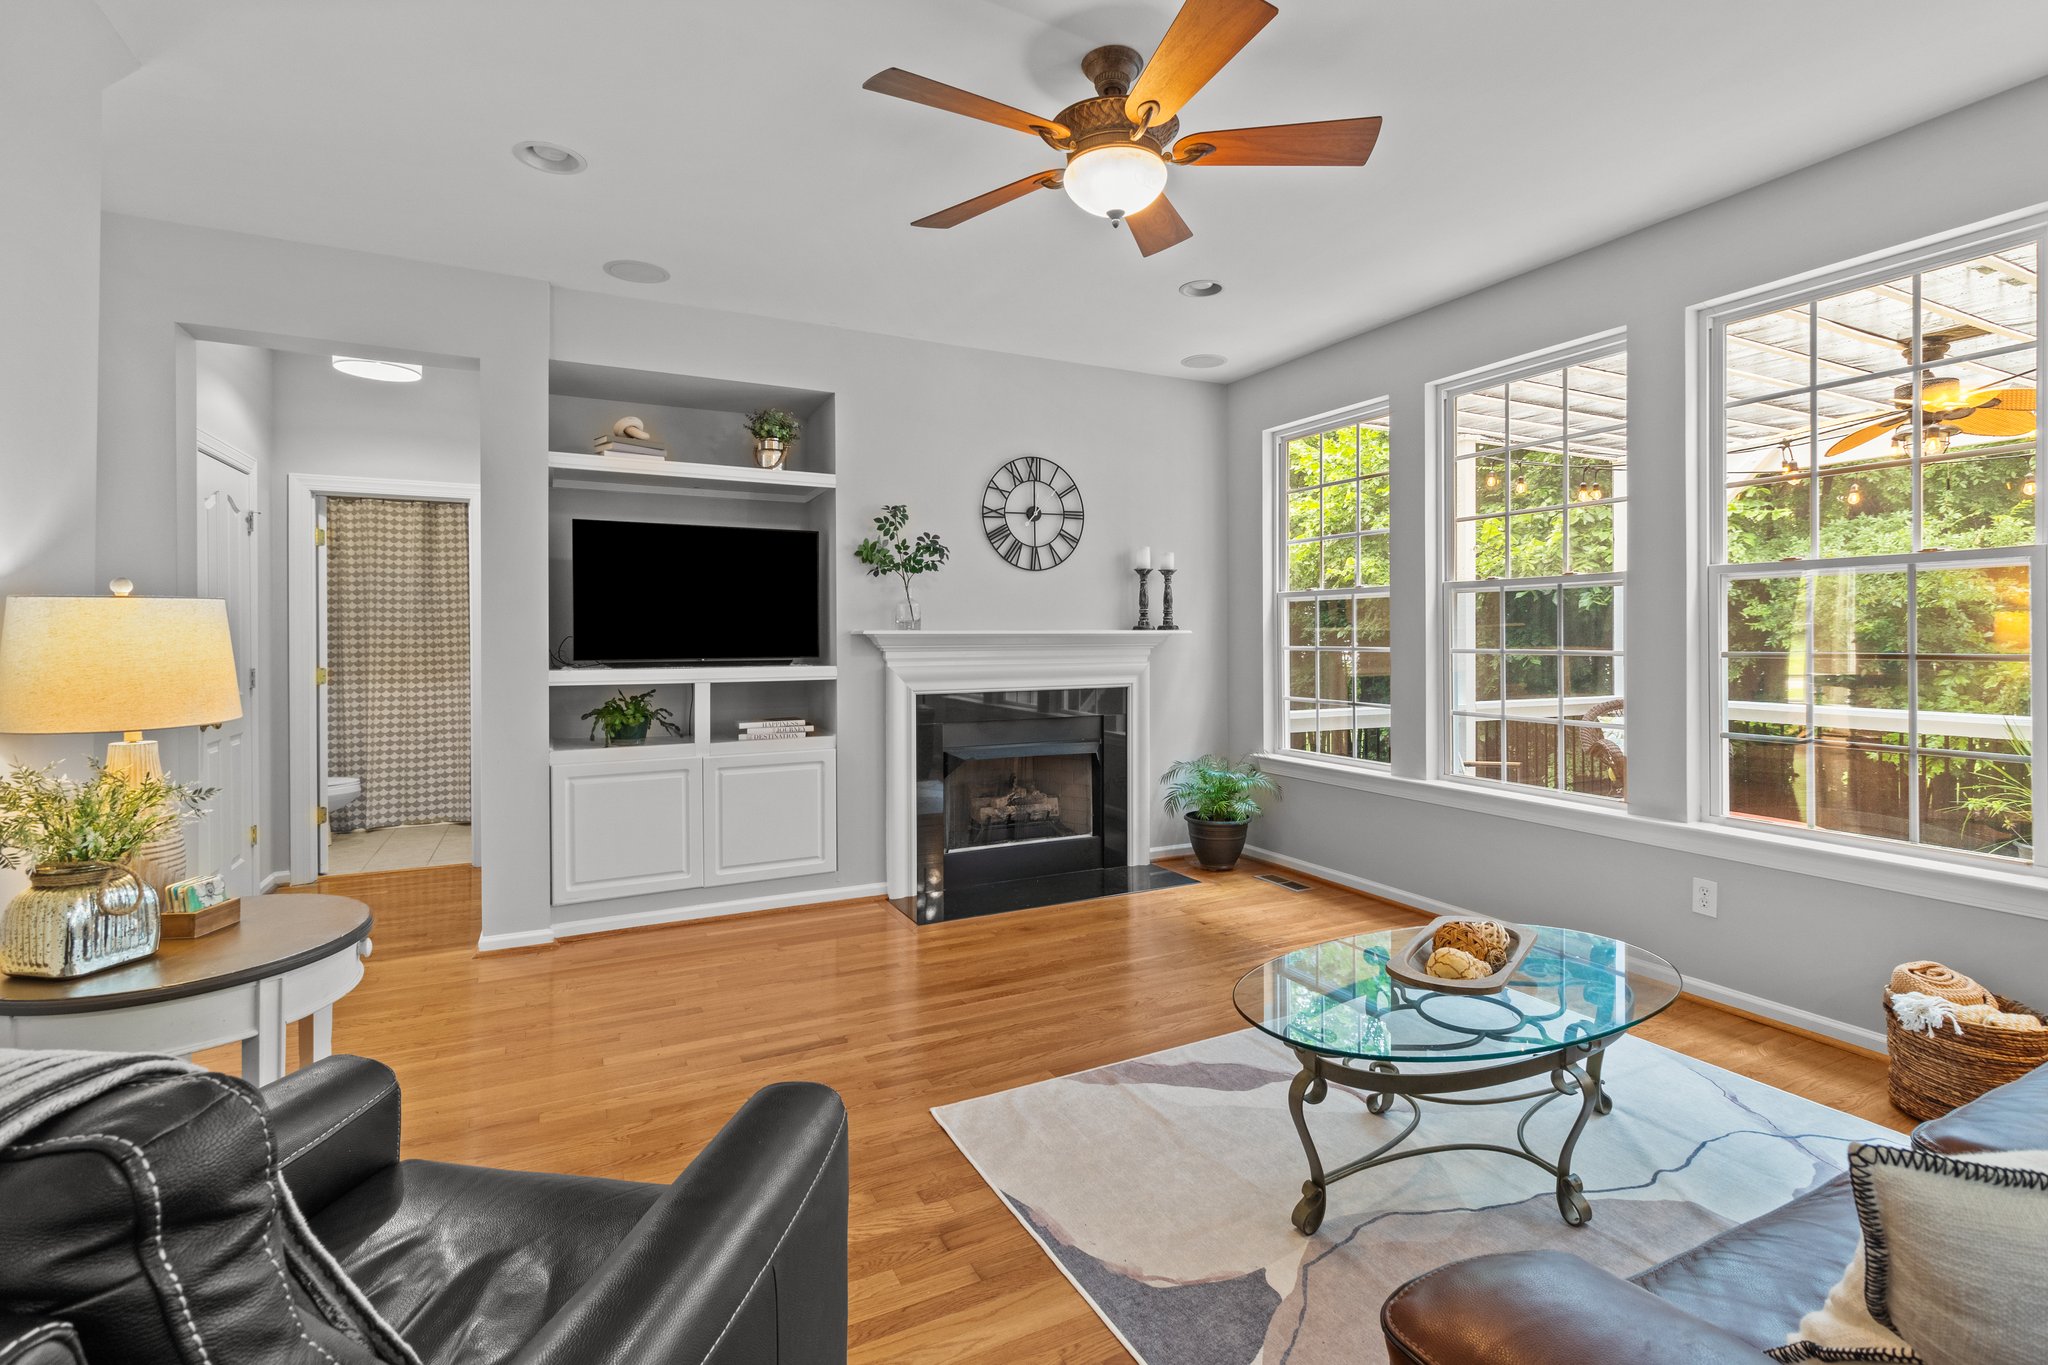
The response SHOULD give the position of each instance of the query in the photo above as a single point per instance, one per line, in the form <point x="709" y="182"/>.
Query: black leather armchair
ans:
<point x="741" y="1261"/>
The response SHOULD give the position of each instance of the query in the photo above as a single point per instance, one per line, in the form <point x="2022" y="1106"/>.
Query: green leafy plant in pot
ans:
<point x="626" y="720"/>
<point x="772" y="429"/>
<point x="1218" y="798"/>
<point x="85" y="908"/>
<point x="891" y="552"/>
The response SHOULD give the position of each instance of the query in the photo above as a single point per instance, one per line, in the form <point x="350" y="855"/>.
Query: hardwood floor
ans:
<point x="622" y="1054"/>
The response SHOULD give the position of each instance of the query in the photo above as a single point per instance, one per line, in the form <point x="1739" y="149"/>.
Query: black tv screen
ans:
<point x="646" y="592"/>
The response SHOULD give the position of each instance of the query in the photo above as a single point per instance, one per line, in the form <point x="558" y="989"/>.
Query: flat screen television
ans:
<point x="648" y="592"/>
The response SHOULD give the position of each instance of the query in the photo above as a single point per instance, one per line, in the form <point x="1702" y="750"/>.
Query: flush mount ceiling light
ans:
<point x="1201" y="289"/>
<point x="635" y="272"/>
<point x="389" y="371"/>
<point x="546" y="156"/>
<point x="1204" y="361"/>
<point x="1120" y="143"/>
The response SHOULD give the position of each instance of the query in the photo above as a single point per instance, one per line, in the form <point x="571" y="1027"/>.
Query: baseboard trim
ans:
<point x="525" y="938"/>
<point x="1173" y="851"/>
<point x="682" y="914"/>
<point x="1742" y="1002"/>
<point x="272" y="882"/>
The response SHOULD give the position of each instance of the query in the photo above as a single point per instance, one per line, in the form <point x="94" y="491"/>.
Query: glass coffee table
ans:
<point x="1349" y="1021"/>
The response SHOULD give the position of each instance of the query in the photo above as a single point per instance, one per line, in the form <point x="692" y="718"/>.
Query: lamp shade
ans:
<point x="88" y="665"/>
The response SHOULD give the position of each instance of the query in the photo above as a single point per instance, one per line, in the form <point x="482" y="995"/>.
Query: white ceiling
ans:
<point x="731" y="142"/>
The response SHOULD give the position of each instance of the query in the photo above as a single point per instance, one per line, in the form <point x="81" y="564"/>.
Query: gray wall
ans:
<point x="1819" y="943"/>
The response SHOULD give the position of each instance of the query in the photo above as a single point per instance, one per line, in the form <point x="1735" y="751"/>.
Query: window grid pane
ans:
<point x="1336" y="667"/>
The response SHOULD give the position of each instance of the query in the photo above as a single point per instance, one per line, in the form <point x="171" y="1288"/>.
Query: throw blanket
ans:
<point x="36" y="1087"/>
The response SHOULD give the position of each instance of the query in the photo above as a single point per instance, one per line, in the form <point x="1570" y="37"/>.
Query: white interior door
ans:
<point x="324" y="834"/>
<point x="224" y="840"/>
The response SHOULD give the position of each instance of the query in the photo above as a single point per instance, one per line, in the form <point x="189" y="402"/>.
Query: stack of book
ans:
<point x="619" y="445"/>
<point x="791" y="727"/>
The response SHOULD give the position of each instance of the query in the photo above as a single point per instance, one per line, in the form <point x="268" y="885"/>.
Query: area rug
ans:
<point x="1162" y="1186"/>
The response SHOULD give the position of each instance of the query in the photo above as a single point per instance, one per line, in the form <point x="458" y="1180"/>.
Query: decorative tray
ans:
<point x="1407" y="962"/>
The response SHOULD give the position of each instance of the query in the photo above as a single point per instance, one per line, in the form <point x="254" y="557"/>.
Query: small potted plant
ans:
<point x="1217" y="796"/>
<point x="892" y="552"/>
<point x="84" y="908"/>
<point x="626" y="720"/>
<point x="772" y="429"/>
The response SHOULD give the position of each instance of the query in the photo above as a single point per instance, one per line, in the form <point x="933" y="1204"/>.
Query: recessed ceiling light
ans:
<point x="389" y="371"/>
<point x="1204" y="361"/>
<point x="635" y="272"/>
<point x="1201" y="289"/>
<point x="546" y="156"/>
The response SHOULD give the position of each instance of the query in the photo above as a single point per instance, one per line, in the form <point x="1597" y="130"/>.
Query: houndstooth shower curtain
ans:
<point x="398" y="659"/>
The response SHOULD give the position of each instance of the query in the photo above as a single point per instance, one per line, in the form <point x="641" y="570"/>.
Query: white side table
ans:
<point x="287" y="962"/>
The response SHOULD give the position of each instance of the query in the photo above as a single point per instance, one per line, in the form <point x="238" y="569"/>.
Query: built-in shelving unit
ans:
<point x="603" y="472"/>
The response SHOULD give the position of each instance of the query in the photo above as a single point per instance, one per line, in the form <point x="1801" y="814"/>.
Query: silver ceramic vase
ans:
<point x="78" y="918"/>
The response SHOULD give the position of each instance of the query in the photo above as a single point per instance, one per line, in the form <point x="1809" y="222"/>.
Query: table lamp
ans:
<point x="89" y="665"/>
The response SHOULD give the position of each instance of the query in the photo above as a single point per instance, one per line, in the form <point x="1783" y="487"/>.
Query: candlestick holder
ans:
<point x="1166" y="603"/>
<point x="1144" y="600"/>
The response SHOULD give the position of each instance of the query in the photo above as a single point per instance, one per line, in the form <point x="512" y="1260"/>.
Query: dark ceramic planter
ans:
<point x="1218" y="843"/>
<point x="632" y="734"/>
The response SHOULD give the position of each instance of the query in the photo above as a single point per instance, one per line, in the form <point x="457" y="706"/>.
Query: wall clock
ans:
<point x="1032" y="514"/>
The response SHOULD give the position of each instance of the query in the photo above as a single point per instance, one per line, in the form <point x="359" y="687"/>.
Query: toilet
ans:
<point x="343" y="792"/>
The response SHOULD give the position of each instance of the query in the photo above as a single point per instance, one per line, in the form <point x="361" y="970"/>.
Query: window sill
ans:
<point x="2022" y="891"/>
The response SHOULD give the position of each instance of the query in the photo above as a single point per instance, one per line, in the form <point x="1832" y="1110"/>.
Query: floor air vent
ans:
<point x="1288" y="882"/>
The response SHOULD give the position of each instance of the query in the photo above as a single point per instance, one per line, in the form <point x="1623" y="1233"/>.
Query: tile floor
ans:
<point x="396" y="847"/>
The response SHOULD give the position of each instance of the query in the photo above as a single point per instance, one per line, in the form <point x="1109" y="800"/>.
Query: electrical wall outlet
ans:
<point x="1706" y="897"/>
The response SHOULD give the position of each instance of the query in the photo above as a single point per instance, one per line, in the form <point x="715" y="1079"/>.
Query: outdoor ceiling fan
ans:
<point x="1948" y="411"/>
<point x="1120" y="143"/>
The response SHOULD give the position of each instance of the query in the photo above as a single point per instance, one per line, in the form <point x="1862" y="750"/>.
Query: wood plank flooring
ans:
<point x="622" y="1054"/>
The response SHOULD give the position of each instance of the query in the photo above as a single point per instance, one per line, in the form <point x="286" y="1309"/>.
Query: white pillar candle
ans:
<point x="1145" y="557"/>
<point x="1166" y="562"/>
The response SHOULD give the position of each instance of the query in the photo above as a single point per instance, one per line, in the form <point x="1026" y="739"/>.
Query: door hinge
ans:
<point x="320" y="676"/>
<point x="319" y="815"/>
<point x="319" y="535"/>
<point x="252" y="680"/>
<point x="252" y="836"/>
<point x="249" y="522"/>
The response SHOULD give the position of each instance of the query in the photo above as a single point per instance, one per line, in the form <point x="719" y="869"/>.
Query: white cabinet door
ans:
<point x="626" y="826"/>
<point x="771" y="815"/>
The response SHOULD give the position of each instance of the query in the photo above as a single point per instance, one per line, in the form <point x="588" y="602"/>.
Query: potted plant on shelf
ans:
<point x="626" y="720"/>
<point x="84" y="908"/>
<point x="1217" y="796"/>
<point x="772" y="429"/>
<point x="892" y="552"/>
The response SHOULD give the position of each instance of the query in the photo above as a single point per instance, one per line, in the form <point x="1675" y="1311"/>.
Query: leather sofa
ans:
<point x="741" y="1261"/>
<point x="1722" y="1303"/>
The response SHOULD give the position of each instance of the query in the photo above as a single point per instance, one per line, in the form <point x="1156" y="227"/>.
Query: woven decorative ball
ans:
<point x="1455" y="964"/>
<point x="1482" y="938"/>
<point x="1931" y="978"/>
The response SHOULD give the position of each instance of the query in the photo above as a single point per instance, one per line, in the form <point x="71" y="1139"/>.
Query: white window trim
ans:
<point x="1440" y="398"/>
<point x="1273" y="556"/>
<point x="1705" y="323"/>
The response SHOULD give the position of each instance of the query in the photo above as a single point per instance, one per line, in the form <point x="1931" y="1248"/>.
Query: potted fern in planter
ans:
<point x="626" y="720"/>
<point x="1218" y="797"/>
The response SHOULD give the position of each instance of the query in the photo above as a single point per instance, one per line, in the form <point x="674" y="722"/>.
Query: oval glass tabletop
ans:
<point x="1338" y="998"/>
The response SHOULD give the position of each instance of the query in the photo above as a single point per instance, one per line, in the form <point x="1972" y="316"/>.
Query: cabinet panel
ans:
<point x="771" y="815"/>
<point x="626" y="827"/>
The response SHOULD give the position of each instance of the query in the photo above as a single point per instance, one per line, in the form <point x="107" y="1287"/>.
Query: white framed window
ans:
<point x="1534" y="455"/>
<point x="1874" y="550"/>
<point x="1332" y="480"/>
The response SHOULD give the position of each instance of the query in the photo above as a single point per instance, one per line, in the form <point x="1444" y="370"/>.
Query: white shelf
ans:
<point x="774" y="746"/>
<point x="567" y="469"/>
<point x="597" y="751"/>
<point x="690" y="673"/>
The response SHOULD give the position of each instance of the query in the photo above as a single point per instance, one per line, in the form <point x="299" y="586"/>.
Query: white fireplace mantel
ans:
<point x="1003" y="661"/>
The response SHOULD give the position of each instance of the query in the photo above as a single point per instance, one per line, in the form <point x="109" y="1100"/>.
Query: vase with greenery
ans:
<point x="772" y="429"/>
<point x="84" y="908"/>
<point x="1218" y="798"/>
<point x="623" y="719"/>
<point x="892" y="552"/>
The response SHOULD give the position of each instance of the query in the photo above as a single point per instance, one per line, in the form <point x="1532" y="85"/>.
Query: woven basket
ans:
<point x="1932" y="1073"/>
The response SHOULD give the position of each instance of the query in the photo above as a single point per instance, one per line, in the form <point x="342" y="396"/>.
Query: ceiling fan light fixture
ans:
<point x="1115" y="180"/>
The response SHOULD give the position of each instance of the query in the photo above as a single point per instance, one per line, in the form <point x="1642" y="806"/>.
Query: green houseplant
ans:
<point x="2002" y="796"/>
<point x="626" y="719"/>
<point x="772" y="429"/>
<point x="1218" y="798"/>
<point x="84" y="908"/>
<point x="891" y="552"/>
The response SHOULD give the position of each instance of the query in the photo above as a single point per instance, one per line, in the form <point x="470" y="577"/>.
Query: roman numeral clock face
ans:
<point x="1031" y="512"/>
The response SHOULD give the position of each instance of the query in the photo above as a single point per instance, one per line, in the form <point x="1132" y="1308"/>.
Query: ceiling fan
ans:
<point x="1948" y="411"/>
<point x="1120" y="143"/>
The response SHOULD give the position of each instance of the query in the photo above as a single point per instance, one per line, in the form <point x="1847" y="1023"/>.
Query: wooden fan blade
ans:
<point x="1205" y="35"/>
<point x="1157" y="226"/>
<point x="1862" y="434"/>
<point x="2005" y="400"/>
<point x="1995" y="422"/>
<point x="1337" y="142"/>
<point x="982" y="203"/>
<point x="1962" y="331"/>
<point x="905" y="85"/>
